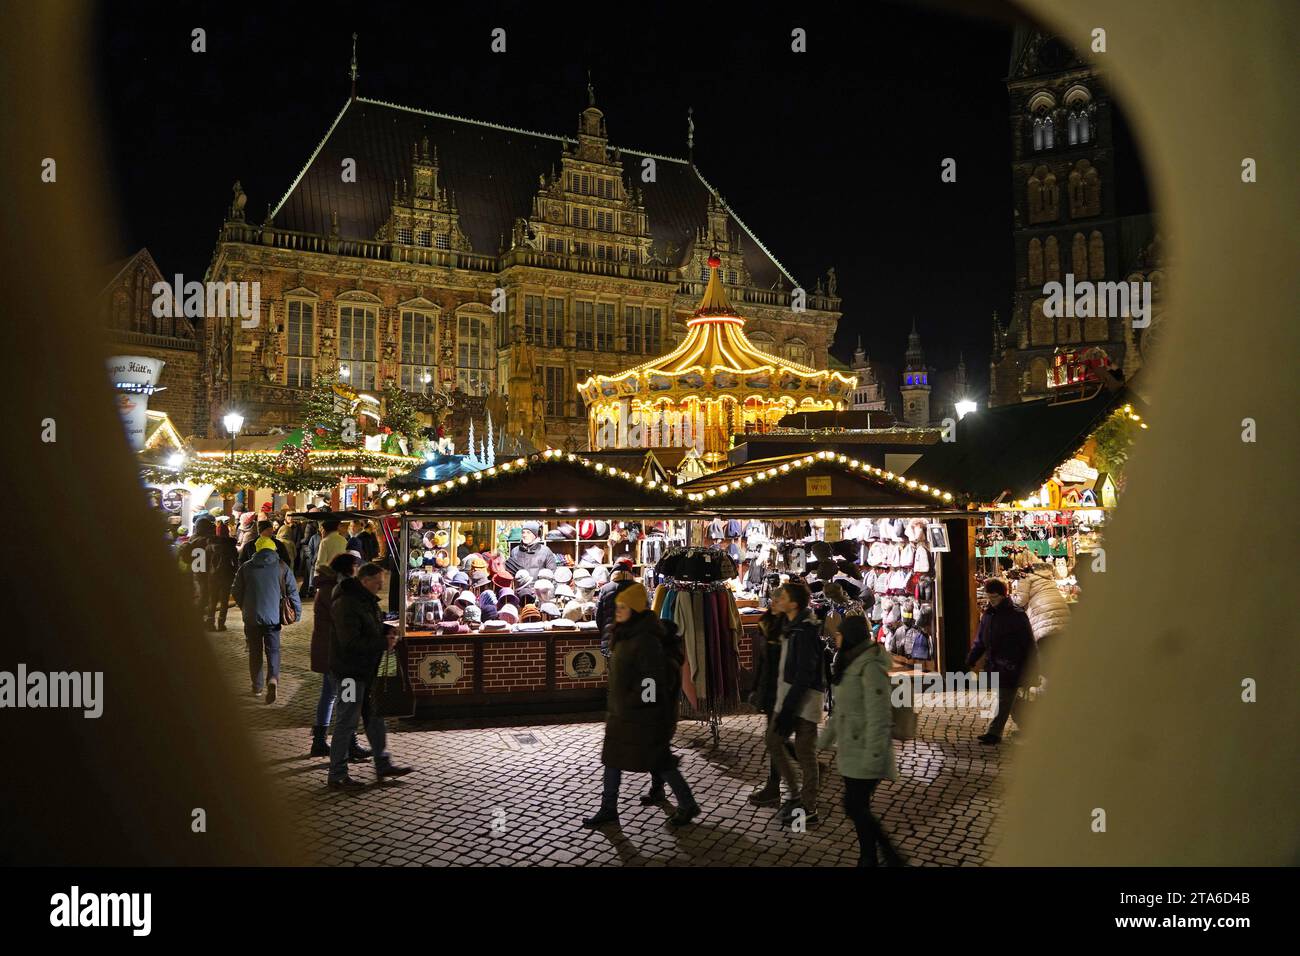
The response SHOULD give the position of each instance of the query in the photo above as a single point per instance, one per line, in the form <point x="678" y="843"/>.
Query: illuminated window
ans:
<point x="473" y="356"/>
<point x="357" y="336"/>
<point x="553" y="385"/>
<point x="605" y="326"/>
<point x="300" y="344"/>
<point x="584" y="322"/>
<point x="419" y="337"/>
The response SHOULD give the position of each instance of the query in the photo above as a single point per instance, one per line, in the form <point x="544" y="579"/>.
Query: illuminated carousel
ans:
<point x="714" y="385"/>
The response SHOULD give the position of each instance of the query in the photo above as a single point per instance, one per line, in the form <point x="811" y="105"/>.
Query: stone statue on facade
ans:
<point x="832" y="282"/>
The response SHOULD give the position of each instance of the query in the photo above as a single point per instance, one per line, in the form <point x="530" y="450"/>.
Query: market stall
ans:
<point x="509" y="626"/>
<point x="881" y="539"/>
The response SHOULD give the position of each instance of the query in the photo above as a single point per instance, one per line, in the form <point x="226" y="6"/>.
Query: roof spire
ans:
<point x="690" y="134"/>
<point x="353" y="72"/>
<point x="591" y="91"/>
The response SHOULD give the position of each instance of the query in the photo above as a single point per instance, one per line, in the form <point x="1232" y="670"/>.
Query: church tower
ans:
<point x="916" y="383"/>
<point x="870" y="394"/>
<point x="1063" y="190"/>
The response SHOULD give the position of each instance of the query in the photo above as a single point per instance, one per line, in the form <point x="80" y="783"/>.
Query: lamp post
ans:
<point x="233" y="422"/>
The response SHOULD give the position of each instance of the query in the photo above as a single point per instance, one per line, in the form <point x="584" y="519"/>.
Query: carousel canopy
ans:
<point x="717" y="362"/>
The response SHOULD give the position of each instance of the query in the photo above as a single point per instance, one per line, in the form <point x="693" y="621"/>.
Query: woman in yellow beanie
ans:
<point x="645" y="679"/>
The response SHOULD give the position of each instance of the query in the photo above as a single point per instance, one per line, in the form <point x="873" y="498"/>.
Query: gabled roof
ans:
<point x="493" y="172"/>
<point x="551" y="485"/>
<point x="1013" y="449"/>
<point x="114" y="271"/>
<point x="821" y="483"/>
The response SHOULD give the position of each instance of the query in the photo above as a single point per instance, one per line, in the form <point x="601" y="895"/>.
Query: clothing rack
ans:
<point x="709" y="625"/>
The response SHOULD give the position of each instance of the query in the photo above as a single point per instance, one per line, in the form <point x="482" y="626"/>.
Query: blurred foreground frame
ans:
<point x="1150" y="728"/>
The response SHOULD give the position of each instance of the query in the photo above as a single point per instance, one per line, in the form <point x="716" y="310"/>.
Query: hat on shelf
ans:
<point x="502" y="578"/>
<point x="602" y="530"/>
<point x="478" y="578"/>
<point x="586" y="529"/>
<point x="460" y="579"/>
<point x="478" y="563"/>
<point x="568" y="532"/>
<point x="465" y="598"/>
<point x="452" y="613"/>
<point x="529" y="613"/>
<point x="585" y="583"/>
<point x="495" y="626"/>
<point x="550" y="610"/>
<point x="507" y="596"/>
<point x="508" y="613"/>
<point x="600" y="574"/>
<point x="573" y="611"/>
<point x="473" y="614"/>
<point x="594" y="554"/>
<point x="522" y="578"/>
<point x="563" y="575"/>
<point x="563" y="591"/>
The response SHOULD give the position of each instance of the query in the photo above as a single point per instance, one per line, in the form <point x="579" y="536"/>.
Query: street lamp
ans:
<point x="964" y="408"/>
<point x="176" y="460"/>
<point x="233" y="422"/>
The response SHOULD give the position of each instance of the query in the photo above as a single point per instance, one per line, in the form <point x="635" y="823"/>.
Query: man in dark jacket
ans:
<point x="767" y="662"/>
<point x="620" y="579"/>
<point x="258" y="588"/>
<point x="641" y="715"/>
<point x="265" y="529"/>
<point x="800" y="699"/>
<point x="1007" y="640"/>
<point x="223" y="563"/>
<point x="359" y="642"/>
<point x="531" y="552"/>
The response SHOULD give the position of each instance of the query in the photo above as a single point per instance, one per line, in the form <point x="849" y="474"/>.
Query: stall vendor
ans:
<point x="531" y="553"/>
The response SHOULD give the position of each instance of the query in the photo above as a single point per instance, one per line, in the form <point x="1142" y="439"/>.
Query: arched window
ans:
<point x="1049" y="133"/>
<point x="1085" y="130"/>
<point x="473" y="355"/>
<point x="419" y="348"/>
<point x="1038" y="375"/>
<point x="1096" y="256"/>
<point x="1038" y="133"/>
<point x="357" y="337"/>
<point x="1079" y="257"/>
<point x="1035" y="262"/>
<point x="1051" y="260"/>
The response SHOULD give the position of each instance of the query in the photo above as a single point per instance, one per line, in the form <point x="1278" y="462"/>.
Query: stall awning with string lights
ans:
<point x="820" y="484"/>
<point x="716" y="383"/>
<point x="1007" y="452"/>
<point x="550" y="485"/>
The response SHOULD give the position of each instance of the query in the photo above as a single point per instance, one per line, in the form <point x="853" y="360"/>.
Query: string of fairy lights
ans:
<point x="521" y="465"/>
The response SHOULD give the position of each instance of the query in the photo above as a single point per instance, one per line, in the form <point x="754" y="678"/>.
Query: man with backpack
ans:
<point x="261" y="585"/>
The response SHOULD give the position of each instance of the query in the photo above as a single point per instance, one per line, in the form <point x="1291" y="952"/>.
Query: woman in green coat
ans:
<point x="860" y="730"/>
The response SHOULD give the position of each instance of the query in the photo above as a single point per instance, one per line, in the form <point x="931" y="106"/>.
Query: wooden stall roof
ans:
<point x="820" y="484"/>
<point x="1010" y="450"/>
<point x="548" y="485"/>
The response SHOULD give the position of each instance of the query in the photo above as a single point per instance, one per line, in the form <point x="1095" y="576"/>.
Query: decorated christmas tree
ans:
<point x="324" y="413"/>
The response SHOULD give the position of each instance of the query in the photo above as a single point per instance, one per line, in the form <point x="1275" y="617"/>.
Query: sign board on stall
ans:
<point x="586" y="663"/>
<point x="134" y="376"/>
<point x="440" y="670"/>
<point x="817" y="486"/>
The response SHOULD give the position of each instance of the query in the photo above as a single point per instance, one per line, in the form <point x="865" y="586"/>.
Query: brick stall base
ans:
<point x="514" y="795"/>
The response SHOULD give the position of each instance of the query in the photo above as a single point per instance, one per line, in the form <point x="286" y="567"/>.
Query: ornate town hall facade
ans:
<point x="464" y="254"/>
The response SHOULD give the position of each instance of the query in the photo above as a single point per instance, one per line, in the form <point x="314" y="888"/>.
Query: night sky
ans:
<point x="831" y="157"/>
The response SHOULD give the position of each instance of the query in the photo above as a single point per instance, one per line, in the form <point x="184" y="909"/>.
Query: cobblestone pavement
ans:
<point x="481" y="797"/>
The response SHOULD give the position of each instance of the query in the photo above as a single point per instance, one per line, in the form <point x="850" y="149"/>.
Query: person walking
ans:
<point x="860" y="730"/>
<point x="286" y="535"/>
<point x="800" y="699"/>
<point x="223" y="562"/>
<point x="266" y="530"/>
<point x="322" y="632"/>
<point x="1007" y="640"/>
<point x="644" y="683"/>
<point x="621" y="579"/>
<point x="358" y="645"/>
<point x="308" y="552"/>
<point x="332" y="543"/>
<point x="364" y="540"/>
<point x="767" y="668"/>
<point x="194" y="558"/>
<point x="259" y="586"/>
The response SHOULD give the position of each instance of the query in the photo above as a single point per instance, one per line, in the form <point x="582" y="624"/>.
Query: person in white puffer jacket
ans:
<point x="1037" y="595"/>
